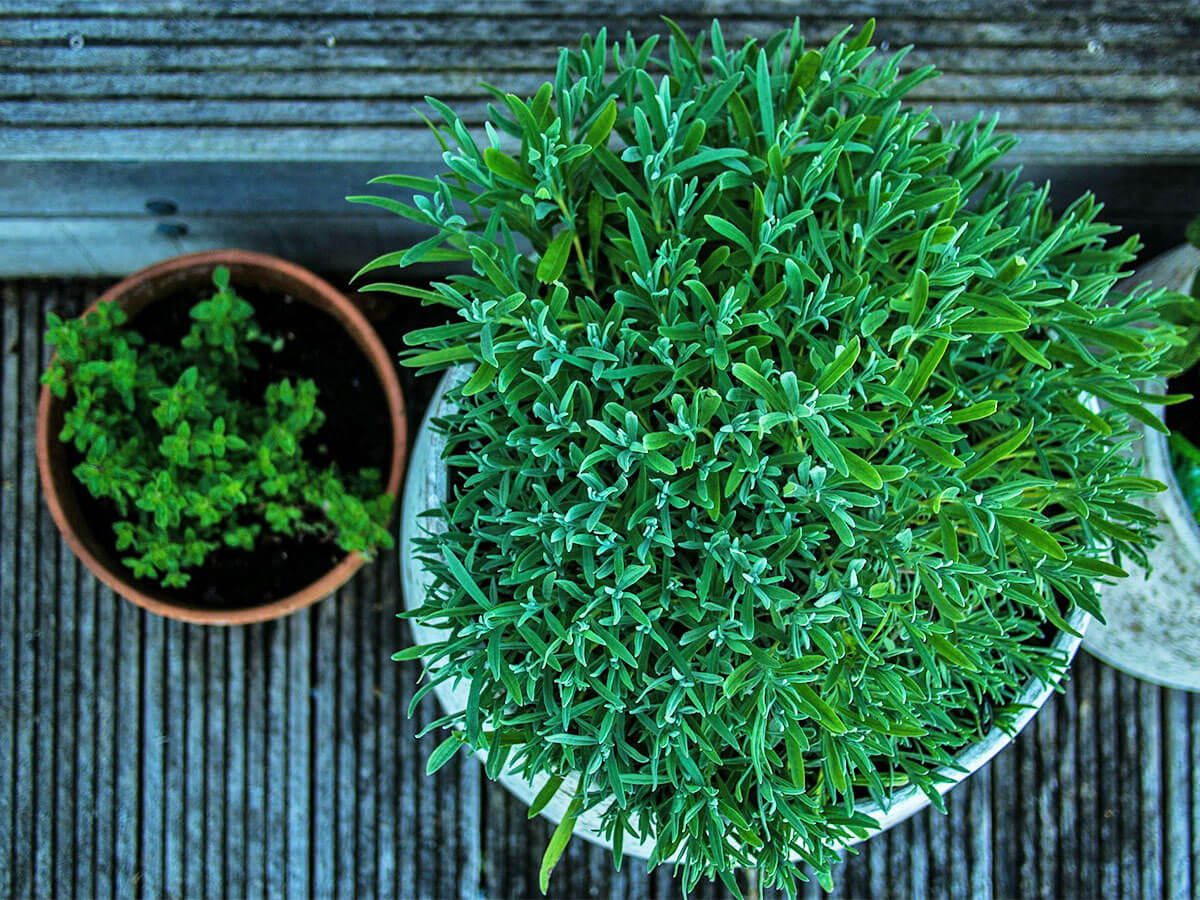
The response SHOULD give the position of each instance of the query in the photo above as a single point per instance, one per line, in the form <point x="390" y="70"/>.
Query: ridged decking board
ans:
<point x="102" y="100"/>
<point x="144" y="758"/>
<point x="320" y="80"/>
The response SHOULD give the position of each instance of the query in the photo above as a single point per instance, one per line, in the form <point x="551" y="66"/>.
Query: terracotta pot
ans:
<point x="426" y="488"/>
<point x="266" y="273"/>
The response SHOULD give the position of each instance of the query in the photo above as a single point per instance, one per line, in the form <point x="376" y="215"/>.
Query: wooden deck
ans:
<point x="145" y="758"/>
<point x="131" y="130"/>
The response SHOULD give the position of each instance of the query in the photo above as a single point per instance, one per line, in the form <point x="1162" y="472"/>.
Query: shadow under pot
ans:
<point x="315" y="334"/>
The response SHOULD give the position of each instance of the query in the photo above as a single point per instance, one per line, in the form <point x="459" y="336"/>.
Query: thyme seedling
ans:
<point x="185" y="461"/>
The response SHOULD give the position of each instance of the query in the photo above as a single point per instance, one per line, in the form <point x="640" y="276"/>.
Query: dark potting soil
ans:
<point x="357" y="434"/>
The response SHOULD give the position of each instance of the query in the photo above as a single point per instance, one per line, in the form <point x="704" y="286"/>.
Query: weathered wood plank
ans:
<point x="347" y="752"/>
<point x="152" y="736"/>
<point x="10" y="513"/>
<point x="46" y="655"/>
<point x="1086" y="771"/>
<point x="194" y="736"/>
<point x="1128" y="811"/>
<point x="387" y="143"/>
<point x="66" y="722"/>
<point x="105" y="860"/>
<point x="297" y="630"/>
<point x="1006" y="828"/>
<point x="324" y="723"/>
<point x="367" y="87"/>
<point x="25" y="651"/>
<point x="235" y="836"/>
<point x="217" y="810"/>
<point x="366" y="814"/>
<point x="255" y="738"/>
<point x="1177" y="863"/>
<point x="271" y="207"/>
<point x="1109" y="794"/>
<point x="328" y="115"/>
<point x="175" y="837"/>
<point x="500" y="27"/>
<point x="1150" y="789"/>
<point x="988" y="10"/>
<point x="277" y="851"/>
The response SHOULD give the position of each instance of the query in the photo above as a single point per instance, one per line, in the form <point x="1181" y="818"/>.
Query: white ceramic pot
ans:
<point x="1153" y="619"/>
<point x="425" y="489"/>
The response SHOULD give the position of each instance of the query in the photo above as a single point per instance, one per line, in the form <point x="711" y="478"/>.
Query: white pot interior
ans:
<point x="1153" y="617"/>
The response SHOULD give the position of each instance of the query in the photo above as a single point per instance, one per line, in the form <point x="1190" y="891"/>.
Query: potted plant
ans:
<point x="211" y="436"/>
<point x="1152" y="629"/>
<point x="764" y="496"/>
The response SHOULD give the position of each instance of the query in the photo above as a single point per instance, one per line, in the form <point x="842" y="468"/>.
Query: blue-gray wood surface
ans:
<point x="246" y="122"/>
<point x="145" y="758"/>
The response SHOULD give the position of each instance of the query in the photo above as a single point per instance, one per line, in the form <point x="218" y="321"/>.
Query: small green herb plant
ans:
<point x="776" y="463"/>
<point x="1185" y="311"/>
<point x="187" y="463"/>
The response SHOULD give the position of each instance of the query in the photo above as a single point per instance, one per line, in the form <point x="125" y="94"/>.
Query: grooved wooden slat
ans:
<point x="66" y="722"/>
<point x="347" y="759"/>
<point x="1107" y="81"/>
<point x="372" y="86"/>
<point x="983" y="10"/>
<point x="1150" y="793"/>
<point x="10" y="515"/>
<point x="297" y="629"/>
<point x="174" y="680"/>
<point x="1084" y="679"/>
<point x="152" y="819"/>
<point x="216" y="804"/>
<point x="25" y="658"/>
<point x="1110" y="720"/>
<point x="46" y="664"/>
<point x="234" y="725"/>
<point x="1177" y="863"/>
<point x="323" y="823"/>
<point x="1044" y="793"/>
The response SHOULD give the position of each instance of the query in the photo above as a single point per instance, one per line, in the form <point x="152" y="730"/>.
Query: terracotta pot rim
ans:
<point x="359" y="329"/>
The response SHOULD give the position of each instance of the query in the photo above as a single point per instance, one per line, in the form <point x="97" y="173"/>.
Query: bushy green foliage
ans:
<point x="775" y="468"/>
<point x="187" y="462"/>
<point x="1185" y="311"/>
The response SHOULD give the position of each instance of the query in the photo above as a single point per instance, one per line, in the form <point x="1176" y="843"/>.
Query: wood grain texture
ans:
<point x="159" y="79"/>
<point x="146" y="758"/>
<point x="92" y="218"/>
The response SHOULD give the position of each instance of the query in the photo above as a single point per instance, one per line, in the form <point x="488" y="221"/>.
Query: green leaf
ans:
<point x="728" y="231"/>
<point x="603" y="126"/>
<point x="443" y="753"/>
<point x="997" y="453"/>
<point x="554" y="260"/>
<point x="861" y="470"/>
<point x="503" y="165"/>
<point x="926" y="368"/>
<point x="842" y="363"/>
<point x="545" y="795"/>
<point x="863" y="38"/>
<point x="480" y="379"/>
<point x="558" y="843"/>
<point x="462" y="577"/>
<point x="1033" y="534"/>
<point x="754" y="380"/>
